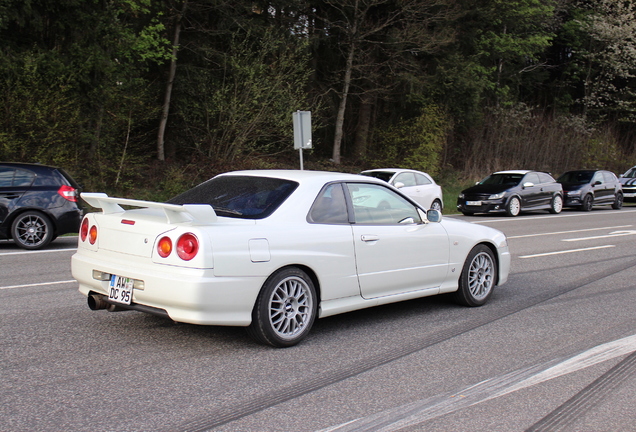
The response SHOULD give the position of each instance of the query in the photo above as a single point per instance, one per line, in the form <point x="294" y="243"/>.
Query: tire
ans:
<point x="618" y="202"/>
<point x="556" y="205"/>
<point x="513" y="208"/>
<point x="285" y="309"/>
<point x="436" y="205"/>
<point x="32" y="230"/>
<point x="588" y="203"/>
<point x="477" y="280"/>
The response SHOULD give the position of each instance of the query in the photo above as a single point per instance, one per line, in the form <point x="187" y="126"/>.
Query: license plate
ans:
<point x="121" y="289"/>
<point x="473" y="203"/>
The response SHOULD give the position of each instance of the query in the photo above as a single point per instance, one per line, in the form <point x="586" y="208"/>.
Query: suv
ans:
<point x="512" y="192"/>
<point x="628" y="180"/>
<point x="37" y="204"/>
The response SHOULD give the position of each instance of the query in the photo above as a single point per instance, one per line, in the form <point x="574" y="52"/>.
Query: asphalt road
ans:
<point x="554" y="349"/>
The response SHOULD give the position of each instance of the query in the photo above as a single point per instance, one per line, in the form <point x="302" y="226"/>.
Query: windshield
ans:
<point x="245" y="197"/>
<point x="502" y="179"/>
<point x="580" y="177"/>
<point x="631" y="173"/>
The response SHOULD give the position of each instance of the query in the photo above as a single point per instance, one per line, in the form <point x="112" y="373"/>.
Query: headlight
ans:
<point x="574" y="192"/>
<point x="461" y="196"/>
<point x="497" y="196"/>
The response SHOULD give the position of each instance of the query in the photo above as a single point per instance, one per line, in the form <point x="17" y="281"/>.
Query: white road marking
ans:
<point x="38" y="284"/>
<point x="569" y="232"/>
<point x="37" y="251"/>
<point x="566" y="251"/>
<point x="423" y="410"/>
<point x="561" y="215"/>
<point x="612" y="234"/>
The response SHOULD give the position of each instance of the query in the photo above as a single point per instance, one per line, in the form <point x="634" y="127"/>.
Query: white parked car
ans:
<point x="274" y="250"/>
<point x="415" y="184"/>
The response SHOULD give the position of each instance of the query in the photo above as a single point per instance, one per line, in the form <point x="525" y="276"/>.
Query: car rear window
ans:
<point x="245" y="197"/>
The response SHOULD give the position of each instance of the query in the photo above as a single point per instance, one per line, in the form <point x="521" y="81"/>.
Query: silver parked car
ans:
<point x="416" y="184"/>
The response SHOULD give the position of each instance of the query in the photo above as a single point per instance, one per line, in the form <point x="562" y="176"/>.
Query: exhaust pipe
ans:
<point x="97" y="302"/>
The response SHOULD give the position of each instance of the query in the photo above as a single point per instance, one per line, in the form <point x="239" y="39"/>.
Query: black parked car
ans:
<point x="587" y="188"/>
<point x="628" y="180"/>
<point x="512" y="192"/>
<point x="37" y="204"/>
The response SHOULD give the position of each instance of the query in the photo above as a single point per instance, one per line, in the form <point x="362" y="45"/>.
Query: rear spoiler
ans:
<point x="200" y="214"/>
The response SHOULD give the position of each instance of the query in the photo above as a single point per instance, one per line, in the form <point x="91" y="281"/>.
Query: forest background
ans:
<point x="146" y="98"/>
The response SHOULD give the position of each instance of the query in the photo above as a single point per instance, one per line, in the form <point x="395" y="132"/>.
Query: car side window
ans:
<point x="546" y="178"/>
<point x="598" y="177"/>
<point x="408" y="179"/>
<point x="532" y="178"/>
<point x="609" y="177"/>
<point x="422" y="179"/>
<point x="330" y="206"/>
<point x="23" y="178"/>
<point x="6" y="177"/>
<point x="378" y="205"/>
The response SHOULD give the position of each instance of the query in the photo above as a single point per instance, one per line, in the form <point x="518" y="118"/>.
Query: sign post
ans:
<point x="302" y="132"/>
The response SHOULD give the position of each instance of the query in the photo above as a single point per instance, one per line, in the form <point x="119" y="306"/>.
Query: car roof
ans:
<point x="393" y="170"/>
<point x="304" y="176"/>
<point x="514" y="172"/>
<point x="26" y="165"/>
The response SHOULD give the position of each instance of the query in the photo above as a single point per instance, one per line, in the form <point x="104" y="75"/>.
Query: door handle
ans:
<point x="369" y="238"/>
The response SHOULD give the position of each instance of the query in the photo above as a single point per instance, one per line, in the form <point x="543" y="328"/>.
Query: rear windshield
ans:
<point x="244" y="197"/>
<point x="382" y="175"/>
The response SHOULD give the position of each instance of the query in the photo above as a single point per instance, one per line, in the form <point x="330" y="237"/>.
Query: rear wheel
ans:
<point x="478" y="276"/>
<point x="514" y="207"/>
<point x="618" y="202"/>
<point x="32" y="230"/>
<point x="285" y="309"/>
<point x="556" y="205"/>
<point x="588" y="203"/>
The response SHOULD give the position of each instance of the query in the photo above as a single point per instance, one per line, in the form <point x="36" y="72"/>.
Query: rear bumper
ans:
<point x="186" y="295"/>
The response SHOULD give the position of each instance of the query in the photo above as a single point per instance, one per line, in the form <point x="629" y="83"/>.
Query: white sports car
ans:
<point x="274" y="250"/>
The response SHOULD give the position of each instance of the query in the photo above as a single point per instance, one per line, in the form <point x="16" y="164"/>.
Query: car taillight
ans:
<point x="164" y="247"/>
<point x="187" y="246"/>
<point x="69" y="193"/>
<point x="92" y="234"/>
<point x="84" y="229"/>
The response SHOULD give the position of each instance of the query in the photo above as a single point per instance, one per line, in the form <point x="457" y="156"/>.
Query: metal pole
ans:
<point x="301" y="158"/>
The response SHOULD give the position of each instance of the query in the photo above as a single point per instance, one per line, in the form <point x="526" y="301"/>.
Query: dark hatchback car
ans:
<point x="37" y="204"/>
<point x="512" y="192"/>
<point x="586" y="188"/>
<point x="628" y="180"/>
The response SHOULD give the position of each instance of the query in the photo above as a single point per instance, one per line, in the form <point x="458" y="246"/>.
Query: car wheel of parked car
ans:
<point x="478" y="276"/>
<point x="436" y="205"/>
<point x="514" y="207"/>
<point x="32" y="230"/>
<point x="588" y="203"/>
<point x="285" y="309"/>
<point x="556" y="205"/>
<point x="618" y="202"/>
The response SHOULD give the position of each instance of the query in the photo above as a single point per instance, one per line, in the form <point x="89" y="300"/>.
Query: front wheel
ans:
<point x="514" y="207"/>
<point x="478" y="277"/>
<point x="32" y="230"/>
<point x="556" y="205"/>
<point x="588" y="203"/>
<point x="618" y="202"/>
<point x="285" y="309"/>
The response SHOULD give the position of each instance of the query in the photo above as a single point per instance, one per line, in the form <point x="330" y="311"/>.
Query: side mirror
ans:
<point x="434" y="216"/>
<point x="399" y="185"/>
<point x="596" y="183"/>
<point x="528" y="184"/>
